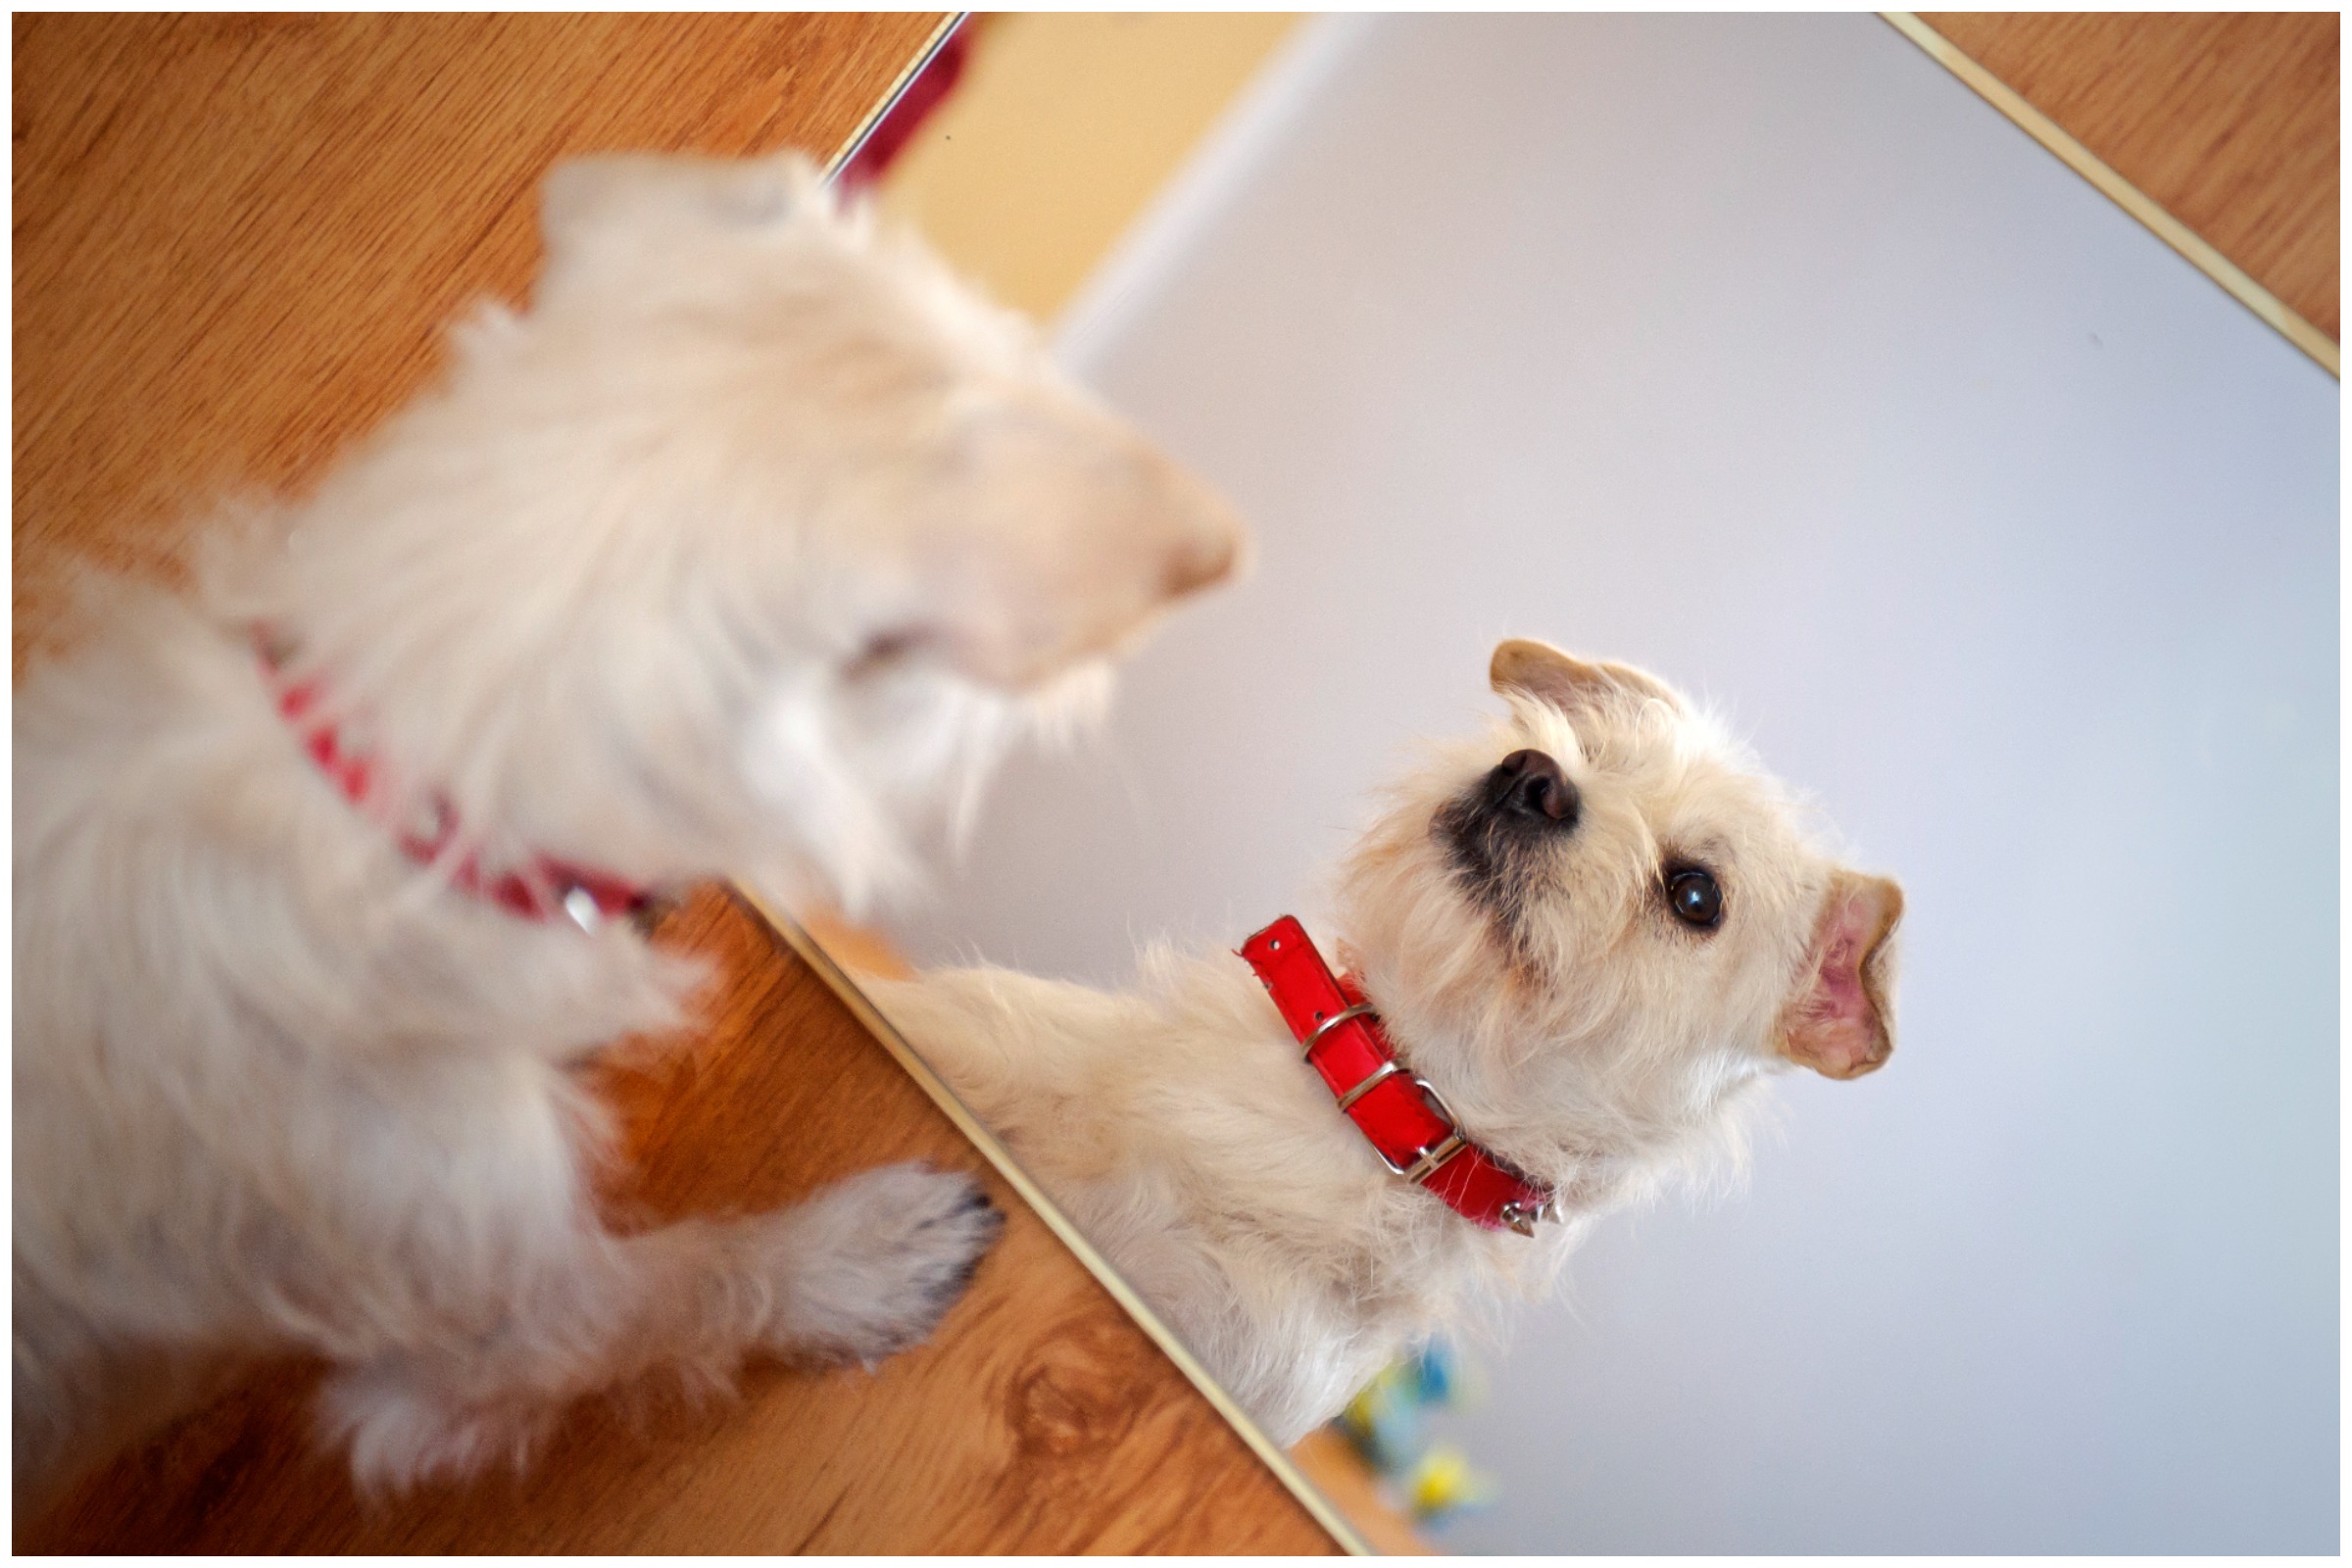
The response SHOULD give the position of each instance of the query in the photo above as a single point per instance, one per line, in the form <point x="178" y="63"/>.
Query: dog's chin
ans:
<point x="875" y="775"/>
<point x="1070" y="706"/>
<point x="955" y="732"/>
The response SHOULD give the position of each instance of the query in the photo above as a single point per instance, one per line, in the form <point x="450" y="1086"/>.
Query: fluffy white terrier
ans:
<point x="740" y="555"/>
<point x="1591" y="931"/>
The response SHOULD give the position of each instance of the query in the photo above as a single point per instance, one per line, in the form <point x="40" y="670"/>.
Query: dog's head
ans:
<point x="1602" y="918"/>
<point x="753" y="495"/>
<point x="949" y="491"/>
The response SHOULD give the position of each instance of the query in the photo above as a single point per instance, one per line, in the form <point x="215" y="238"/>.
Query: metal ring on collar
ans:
<point x="1362" y="1010"/>
<point x="1372" y="1081"/>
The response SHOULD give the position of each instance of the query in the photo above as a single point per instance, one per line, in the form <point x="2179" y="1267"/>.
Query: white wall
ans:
<point x="1761" y="352"/>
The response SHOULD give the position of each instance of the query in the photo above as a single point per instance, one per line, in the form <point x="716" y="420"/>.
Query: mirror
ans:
<point x="1763" y="354"/>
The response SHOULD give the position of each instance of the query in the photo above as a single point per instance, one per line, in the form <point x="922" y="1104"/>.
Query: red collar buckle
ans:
<point x="540" y="889"/>
<point x="1410" y="1127"/>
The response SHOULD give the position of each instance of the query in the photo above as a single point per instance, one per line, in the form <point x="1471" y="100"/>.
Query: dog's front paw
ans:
<point x="872" y="1262"/>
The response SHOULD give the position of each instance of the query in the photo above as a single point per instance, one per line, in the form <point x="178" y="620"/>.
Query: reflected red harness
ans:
<point x="1408" y="1124"/>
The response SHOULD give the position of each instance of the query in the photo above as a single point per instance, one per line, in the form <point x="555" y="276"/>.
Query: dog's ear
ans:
<point x="1542" y="672"/>
<point x="1840" y="1019"/>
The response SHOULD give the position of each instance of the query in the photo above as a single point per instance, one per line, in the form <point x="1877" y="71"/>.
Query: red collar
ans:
<point x="540" y="889"/>
<point x="1411" y="1128"/>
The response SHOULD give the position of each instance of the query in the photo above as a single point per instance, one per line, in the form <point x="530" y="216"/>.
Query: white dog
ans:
<point x="1588" y="933"/>
<point x="739" y="554"/>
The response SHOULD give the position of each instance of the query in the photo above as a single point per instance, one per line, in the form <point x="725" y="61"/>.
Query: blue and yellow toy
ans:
<point x="1386" y="1424"/>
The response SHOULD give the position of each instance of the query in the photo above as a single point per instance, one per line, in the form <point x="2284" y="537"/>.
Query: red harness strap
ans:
<point x="1408" y="1124"/>
<point x="541" y="889"/>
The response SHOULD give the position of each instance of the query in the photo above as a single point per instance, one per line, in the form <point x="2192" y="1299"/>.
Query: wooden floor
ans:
<point x="2231" y="122"/>
<point x="236" y="239"/>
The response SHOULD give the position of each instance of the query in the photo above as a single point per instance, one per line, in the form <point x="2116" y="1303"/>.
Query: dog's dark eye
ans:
<point x="883" y="649"/>
<point x="1694" y="899"/>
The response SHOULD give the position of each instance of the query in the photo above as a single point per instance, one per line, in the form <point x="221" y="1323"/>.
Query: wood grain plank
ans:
<point x="1039" y="1419"/>
<point x="2228" y="122"/>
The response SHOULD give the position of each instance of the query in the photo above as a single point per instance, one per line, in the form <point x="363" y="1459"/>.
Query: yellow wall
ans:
<point x="1064" y="127"/>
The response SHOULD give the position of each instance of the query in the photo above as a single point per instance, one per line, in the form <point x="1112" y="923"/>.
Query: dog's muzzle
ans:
<point x="1495" y="830"/>
<point x="1528" y="787"/>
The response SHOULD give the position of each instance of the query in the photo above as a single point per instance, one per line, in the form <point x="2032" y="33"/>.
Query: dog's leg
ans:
<point x="865" y="1268"/>
<point x="1015" y="1047"/>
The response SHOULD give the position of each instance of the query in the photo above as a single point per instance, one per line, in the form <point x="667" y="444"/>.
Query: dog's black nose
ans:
<point x="1530" y="784"/>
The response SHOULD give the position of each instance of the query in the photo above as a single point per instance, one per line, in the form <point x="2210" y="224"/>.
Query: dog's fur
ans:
<point x="1526" y="965"/>
<point x="740" y="553"/>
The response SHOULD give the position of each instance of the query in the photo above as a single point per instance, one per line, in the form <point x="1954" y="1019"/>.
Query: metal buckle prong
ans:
<point x="1434" y="1157"/>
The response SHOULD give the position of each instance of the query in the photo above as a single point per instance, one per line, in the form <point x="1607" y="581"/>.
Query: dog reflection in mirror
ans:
<point x="741" y="553"/>
<point x="1591" y="932"/>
